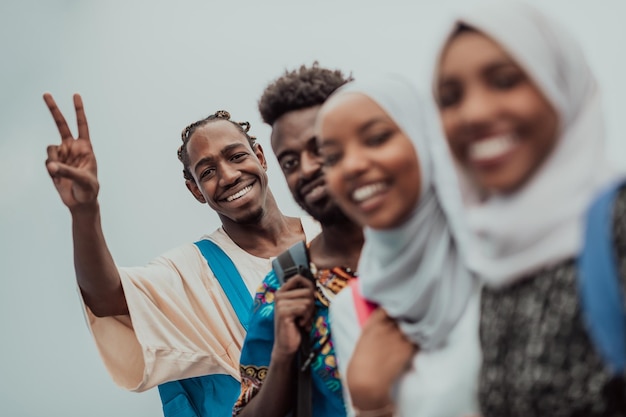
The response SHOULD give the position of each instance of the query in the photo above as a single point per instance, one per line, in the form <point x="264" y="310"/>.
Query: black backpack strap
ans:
<point x="294" y="261"/>
<point x="304" y="401"/>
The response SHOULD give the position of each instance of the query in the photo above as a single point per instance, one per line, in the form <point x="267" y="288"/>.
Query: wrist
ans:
<point x="282" y="357"/>
<point x="86" y="211"/>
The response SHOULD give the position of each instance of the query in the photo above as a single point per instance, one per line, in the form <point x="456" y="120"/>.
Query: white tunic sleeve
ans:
<point x="180" y="324"/>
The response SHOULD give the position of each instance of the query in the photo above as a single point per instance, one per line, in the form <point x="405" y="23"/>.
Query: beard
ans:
<point x="327" y="212"/>
<point x="333" y="217"/>
<point x="252" y="217"/>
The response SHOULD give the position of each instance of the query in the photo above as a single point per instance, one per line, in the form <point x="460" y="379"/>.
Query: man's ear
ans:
<point x="193" y="188"/>
<point x="260" y="154"/>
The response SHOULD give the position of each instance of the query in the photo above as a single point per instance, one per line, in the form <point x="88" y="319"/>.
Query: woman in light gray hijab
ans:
<point x="523" y="116"/>
<point x="387" y="165"/>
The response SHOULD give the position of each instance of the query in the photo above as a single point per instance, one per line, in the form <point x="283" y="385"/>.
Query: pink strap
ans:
<point x="364" y="308"/>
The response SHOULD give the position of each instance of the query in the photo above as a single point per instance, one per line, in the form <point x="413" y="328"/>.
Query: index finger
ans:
<point x="59" y="119"/>
<point x="81" y="119"/>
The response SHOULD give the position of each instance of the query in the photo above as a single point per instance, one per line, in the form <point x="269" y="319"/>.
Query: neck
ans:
<point x="268" y="235"/>
<point x="337" y="245"/>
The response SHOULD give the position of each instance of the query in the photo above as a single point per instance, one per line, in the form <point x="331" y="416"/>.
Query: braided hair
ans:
<point x="188" y="131"/>
<point x="299" y="89"/>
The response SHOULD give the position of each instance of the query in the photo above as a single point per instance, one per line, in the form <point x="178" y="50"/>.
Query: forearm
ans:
<point x="96" y="272"/>
<point x="276" y="396"/>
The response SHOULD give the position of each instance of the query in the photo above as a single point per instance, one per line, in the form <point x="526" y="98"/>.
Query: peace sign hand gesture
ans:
<point x="72" y="164"/>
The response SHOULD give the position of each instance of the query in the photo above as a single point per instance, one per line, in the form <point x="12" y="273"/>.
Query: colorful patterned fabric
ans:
<point x="257" y="349"/>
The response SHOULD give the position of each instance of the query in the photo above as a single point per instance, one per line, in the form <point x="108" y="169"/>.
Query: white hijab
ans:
<point x="417" y="272"/>
<point x="541" y="224"/>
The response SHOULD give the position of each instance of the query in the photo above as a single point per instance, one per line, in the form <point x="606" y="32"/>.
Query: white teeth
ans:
<point x="492" y="147"/>
<point x="239" y="194"/>
<point x="365" y="192"/>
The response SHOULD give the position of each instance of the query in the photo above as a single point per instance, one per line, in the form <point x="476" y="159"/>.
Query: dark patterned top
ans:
<point x="538" y="358"/>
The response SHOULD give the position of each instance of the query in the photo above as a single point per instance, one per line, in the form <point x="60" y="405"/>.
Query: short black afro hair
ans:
<point x="299" y="89"/>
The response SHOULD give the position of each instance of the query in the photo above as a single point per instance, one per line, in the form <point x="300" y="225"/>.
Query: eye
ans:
<point x="506" y="79"/>
<point x="378" y="139"/>
<point x="288" y="163"/>
<point x="238" y="156"/>
<point x="449" y="95"/>
<point x="330" y="159"/>
<point x="207" y="173"/>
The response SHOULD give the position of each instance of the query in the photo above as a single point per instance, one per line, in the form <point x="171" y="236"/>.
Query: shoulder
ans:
<point x="180" y="255"/>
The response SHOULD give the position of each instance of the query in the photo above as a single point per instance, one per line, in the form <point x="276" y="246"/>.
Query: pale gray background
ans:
<point x="146" y="69"/>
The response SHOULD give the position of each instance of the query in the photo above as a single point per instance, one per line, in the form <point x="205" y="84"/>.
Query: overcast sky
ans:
<point x="145" y="70"/>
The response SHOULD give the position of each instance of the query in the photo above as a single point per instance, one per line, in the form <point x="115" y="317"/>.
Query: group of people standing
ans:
<point x="444" y="232"/>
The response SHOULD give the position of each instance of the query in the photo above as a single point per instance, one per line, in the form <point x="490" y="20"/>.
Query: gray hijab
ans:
<point x="417" y="272"/>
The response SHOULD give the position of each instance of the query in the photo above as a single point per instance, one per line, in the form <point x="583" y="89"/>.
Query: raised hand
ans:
<point x="381" y="355"/>
<point x="294" y="309"/>
<point x="72" y="164"/>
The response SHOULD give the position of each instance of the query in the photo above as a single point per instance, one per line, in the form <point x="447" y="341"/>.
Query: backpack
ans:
<point x="211" y="395"/>
<point x="601" y="295"/>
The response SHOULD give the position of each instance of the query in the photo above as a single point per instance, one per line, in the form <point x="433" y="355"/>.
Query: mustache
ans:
<point x="302" y="183"/>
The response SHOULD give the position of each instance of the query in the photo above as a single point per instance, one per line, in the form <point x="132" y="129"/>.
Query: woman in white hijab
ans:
<point x="387" y="165"/>
<point x="522" y="114"/>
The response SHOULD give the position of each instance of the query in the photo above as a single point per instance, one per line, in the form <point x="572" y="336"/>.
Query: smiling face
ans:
<point x="295" y="146"/>
<point x="371" y="166"/>
<point x="500" y="128"/>
<point x="229" y="176"/>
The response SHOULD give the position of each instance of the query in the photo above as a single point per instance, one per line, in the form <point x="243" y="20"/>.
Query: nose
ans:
<point x="354" y="161"/>
<point x="310" y="164"/>
<point x="477" y="108"/>
<point x="228" y="175"/>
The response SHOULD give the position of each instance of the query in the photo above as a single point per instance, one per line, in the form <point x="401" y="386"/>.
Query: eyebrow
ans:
<point x="322" y="143"/>
<point x="288" y="152"/>
<point x="367" y="125"/>
<point x="225" y="150"/>
<point x="501" y="62"/>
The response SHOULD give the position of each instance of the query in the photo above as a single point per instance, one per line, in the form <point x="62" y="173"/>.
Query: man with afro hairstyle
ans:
<point x="269" y="369"/>
<point x="298" y="89"/>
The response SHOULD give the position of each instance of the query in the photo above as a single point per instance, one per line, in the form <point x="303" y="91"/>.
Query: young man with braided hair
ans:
<point x="172" y="318"/>
<point x="268" y="366"/>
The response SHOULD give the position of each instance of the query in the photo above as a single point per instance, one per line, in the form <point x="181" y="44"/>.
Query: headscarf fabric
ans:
<point x="541" y="224"/>
<point x="417" y="271"/>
